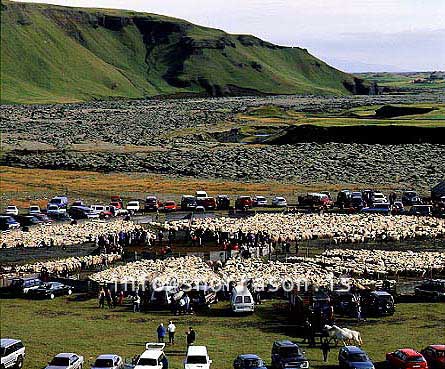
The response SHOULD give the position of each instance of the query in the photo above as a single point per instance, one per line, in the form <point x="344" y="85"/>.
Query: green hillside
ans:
<point x="61" y="54"/>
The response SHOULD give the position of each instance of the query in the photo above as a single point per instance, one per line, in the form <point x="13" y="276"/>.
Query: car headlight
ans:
<point x="304" y="365"/>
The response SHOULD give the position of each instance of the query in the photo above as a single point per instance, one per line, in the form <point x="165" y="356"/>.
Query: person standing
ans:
<point x="191" y="336"/>
<point x="171" y="329"/>
<point x="136" y="302"/>
<point x="102" y="298"/>
<point x="325" y="348"/>
<point x="161" y="332"/>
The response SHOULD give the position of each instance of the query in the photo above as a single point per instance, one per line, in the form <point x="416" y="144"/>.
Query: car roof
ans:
<point x="151" y="354"/>
<point x="354" y="350"/>
<point x="107" y="356"/>
<point x="249" y="357"/>
<point x="4" y="342"/>
<point x="437" y="347"/>
<point x="409" y="352"/>
<point x="197" y="350"/>
<point x="381" y="293"/>
<point x="286" y="343"/>
<point x="66" y="354"/>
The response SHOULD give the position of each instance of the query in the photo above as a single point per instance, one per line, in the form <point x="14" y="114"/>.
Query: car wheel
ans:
<point x="70" y="292"/>
<point x="52" y="296"/>
<point x="19" y="363"/>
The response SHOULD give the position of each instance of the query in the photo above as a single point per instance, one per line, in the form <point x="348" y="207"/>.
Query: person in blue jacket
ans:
<point x="161" y="332"/>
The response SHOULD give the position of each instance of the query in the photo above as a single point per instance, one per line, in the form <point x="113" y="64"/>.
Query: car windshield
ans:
<point x="440" y="353"/>
<point x="55" y="201"/>
<point x="195" y="359"/>
<point x="147" y="362"/>
<point x="415" y="359"/>
<point x="358" y="358"/>
<point x="103" y="363"/>
<point x="60" y="361"/>
<point x="252" y="363"/>
<point x="290" y="351"/>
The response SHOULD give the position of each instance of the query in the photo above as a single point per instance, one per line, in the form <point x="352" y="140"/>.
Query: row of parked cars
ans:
<point x="285" y="355"/>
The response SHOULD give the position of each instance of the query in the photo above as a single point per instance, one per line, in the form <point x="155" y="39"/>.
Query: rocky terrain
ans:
<point x="167" y="136"/>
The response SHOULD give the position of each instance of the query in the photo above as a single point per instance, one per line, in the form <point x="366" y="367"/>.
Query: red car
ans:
<point x="209" y="203"/>
<point x="435" y="356"/>
<point x="406" y="359"/>
<point x="243" y="202"/>
<point x="169" y="206"/>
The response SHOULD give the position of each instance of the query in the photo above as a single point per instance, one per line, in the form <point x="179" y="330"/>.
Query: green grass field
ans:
<point x="74" y="324"/>
<point x="61" y="54"/>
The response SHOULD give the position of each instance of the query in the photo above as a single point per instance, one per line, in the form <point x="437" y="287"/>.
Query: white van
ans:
<point x="197" y="358"/>
<point x="201" y="194"/>
<point x="242" y="300"/>
<point x="152" y="358"/>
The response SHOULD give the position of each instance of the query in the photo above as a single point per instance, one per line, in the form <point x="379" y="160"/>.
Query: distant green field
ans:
<point x="67" y="325"/>
<point x="404" y="81"/>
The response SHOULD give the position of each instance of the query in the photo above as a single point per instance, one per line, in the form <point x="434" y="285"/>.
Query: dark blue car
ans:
<point x="353" y="357"/>
<point x="248" y="361"/>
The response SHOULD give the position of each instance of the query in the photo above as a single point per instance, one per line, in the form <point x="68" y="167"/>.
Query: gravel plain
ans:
<point x="140" y="136"/>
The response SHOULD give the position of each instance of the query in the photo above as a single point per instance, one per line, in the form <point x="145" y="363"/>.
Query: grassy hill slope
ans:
<point x="61" y="54"/>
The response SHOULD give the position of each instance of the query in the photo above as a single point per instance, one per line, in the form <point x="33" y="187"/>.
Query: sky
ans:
<point x="354" y="35"/>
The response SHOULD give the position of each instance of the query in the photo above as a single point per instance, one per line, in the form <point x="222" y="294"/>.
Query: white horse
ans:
<point x="344" y="335"/>
<point x="356" y="336"/>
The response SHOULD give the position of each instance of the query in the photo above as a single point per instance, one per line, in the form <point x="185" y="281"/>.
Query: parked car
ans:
<point x="243" y="202"/>
<point x="382" y="208"/>
<point x="22" y="286"/>
<point x="406" y="359"/>
<point x="151" y="203"/>
<point x="108" y="361"/>
<point x="279" y="202"/>
<point x="60" y="201"/>
<point x="259" y="201"/>
<point x="286" y="354"/>
<point x="54" y="211"/>
<point x="398" y="208"/>
<point x="197" y="358"/>
<point x="249" y="361"/>
<point x="357" y="202"/>
<point x="45" y="219"/>
<point x="422" y="210"/>
<point x="104" y="211"/>
<point x="410" y="198"/>
<point x="60" y="216"/>
<point x="118" y="200"/>
<point x="378" y="303"/>
<point x="315" y="199"/>
<point x="434" y="356"/>
<point x="242" y="300"/>
<point x="188" y="202"/>
<point x="11" y="210"/>
<point x="133" y="206"/>
<point x="209" y="203"/>
<point x="82" y="212"/>
<point x="378" y="198"/>
<point x="169" y="206"/>
<point x="152" y="358"/>
<point x="343" y="199"/>
<point x="66" y="361"/>
<point x="432" y="289"/>
<point x="34" y="209"/>
<point x="353" y="357"/>
<point x="7" y="223"/>
<point x="223" y="202"/>
<point x="50" y="290"/>
<point x="12" y="353"/>
<point x="27" y="220"/>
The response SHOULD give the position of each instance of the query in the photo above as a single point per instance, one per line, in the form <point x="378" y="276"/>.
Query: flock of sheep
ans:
<point x="364" y="265"/>
<point x="341" y="228"/>
<point x="64" y="234"/>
